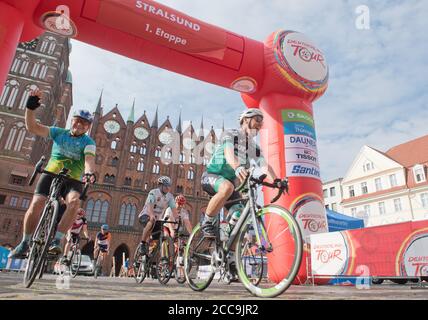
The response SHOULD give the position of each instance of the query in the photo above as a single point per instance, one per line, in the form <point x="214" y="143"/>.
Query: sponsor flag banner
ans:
<point x="301" y="154"/>
<point x="397" y="250"/>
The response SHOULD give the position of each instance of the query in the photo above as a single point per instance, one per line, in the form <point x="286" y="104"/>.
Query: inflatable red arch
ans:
<point x="282" y="75"/>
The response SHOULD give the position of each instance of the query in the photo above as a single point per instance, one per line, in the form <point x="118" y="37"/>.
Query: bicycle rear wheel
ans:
<point x="180" y="276"/>
<point x="165" y="260"/>
<point x="198" y="269"/>
<point x="40" y="242"/>
<point x="280" y="240"/>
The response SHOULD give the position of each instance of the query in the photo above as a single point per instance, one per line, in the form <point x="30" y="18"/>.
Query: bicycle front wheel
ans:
<point x="75" y="261"/>
<point x="198" y="267"/>
<point x="165" y="260"/>
<point x="140" y="268"/>
<point x="278" y="240"/>
<point x="40" y="242"/>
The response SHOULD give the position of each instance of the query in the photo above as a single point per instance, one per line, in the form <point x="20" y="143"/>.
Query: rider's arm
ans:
<point x="33" y="126"/>
<point x="233" y="161"/>
<point x="85" y="231"/>
<point x="267" y="169"/>
<point x="188" y="225"/>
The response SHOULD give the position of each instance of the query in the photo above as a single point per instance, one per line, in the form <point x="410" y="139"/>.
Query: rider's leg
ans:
<point x="225" y="190"/>
<point x="31" y="219"/>
<point x="148" y="224"/>
<point x="67" y="243"/>
<point x="73" y="202"/>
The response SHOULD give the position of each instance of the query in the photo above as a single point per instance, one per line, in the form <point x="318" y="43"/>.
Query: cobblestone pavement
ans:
<point x="83" y="287"/>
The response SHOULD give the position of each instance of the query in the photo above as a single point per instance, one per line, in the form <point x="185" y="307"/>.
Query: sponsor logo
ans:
<point x="314" y="225"/>
<point x="329" y="254"/>
<point x="59" y="23"/>
<point x="297" y="115"/>
<point x="301" y="141"/>
<point x="244" y="84"/>
<point x="310" y="213"/>
<point x="303" y="170"/>
<point x="301" y="156"/>
<point x="299" y="128"/>
<point x="414" y="260"/>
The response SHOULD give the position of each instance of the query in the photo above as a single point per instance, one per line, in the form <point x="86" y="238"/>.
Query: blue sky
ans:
<point x="378" y="77"/>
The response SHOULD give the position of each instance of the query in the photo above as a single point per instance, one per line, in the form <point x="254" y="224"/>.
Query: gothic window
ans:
<point x="133" y="148"/>
<point x="128" y="181"/>
<point x="127" y="214"/>
<point x="140" y="165"/>
<point x="10" y="93"/>
<point x="143" y="150"/>
<point x="190" y="174"/>
<point x="96" y="211"/>
<point x="40" y="69"/>
<point x="156" y="168"/>
<point x="21" y="63"/>
<point x="48" y="45"/>
<point x="1" y="128"/>
<point x="16" y="137"/>
<point x="158" y="152"/>
<point x="115" y="161"/>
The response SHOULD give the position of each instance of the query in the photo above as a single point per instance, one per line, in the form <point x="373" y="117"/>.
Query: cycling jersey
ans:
<point x="160" y="202"/>
<point x="183" y="214"/>
<point x="78" y="225"/>
<point x="103" y="240"/>
<point x="245" y="149"/>
<point x="69" y="152"/>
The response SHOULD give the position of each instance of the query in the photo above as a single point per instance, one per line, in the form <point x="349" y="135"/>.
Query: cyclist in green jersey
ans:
<point x="72" y="149"/>
<point x="229" y="162"/>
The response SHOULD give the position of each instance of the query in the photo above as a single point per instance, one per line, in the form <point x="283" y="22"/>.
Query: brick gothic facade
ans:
<point x="129" y="160"/>
<point x="41" y="64"/>
<point x="131" y="156"/>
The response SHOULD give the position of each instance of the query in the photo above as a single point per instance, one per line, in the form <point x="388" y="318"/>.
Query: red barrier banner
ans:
<point x="396" y="250"/>
<point x="164" y="26"/>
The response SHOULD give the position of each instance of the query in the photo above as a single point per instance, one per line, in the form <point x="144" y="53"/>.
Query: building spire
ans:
<point x="223" y="126"/>
<point x="155" y="120"/>
<point x="98" y="109"/>
<point x="201" y="130"/>
<point x="131" y="114"/>
<point x="179" y="129"/>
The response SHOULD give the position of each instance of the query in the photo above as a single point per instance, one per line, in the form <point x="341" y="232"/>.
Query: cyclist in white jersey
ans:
<point x="183" y="215"/>
<point x="156" y="203"/>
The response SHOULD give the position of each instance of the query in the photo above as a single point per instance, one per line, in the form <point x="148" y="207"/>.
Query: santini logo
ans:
<point x="298" y="169"/>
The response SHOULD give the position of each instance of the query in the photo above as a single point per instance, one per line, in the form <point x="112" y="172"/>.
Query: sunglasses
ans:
<point x="258" y="119"/>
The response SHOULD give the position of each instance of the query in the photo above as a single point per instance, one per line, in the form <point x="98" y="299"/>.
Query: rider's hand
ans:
<point x="34" y="100"/>
<point x="241" y="173"/>
<point x="277" y="183"/>
<point x="89" y="177"/>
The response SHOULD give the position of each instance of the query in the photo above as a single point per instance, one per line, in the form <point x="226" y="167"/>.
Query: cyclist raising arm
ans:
<point x="72" y="149"/>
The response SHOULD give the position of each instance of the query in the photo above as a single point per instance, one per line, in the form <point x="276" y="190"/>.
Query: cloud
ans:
<point x="377" y="92"/>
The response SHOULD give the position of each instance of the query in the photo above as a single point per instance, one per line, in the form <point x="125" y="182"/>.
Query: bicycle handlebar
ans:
<point x="281" y="185"/>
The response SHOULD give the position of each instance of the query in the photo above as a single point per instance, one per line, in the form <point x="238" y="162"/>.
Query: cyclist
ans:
<point x="102" y="242"/>
<point x="72" y="149"/>
<point x="230" y="160"/>
<point x="157" y="201"/>
<point x="183" y="214"/>
<point x="79" y="225"/>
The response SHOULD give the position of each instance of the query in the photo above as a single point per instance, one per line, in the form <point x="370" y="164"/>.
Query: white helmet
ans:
<point x="249" y="113"/>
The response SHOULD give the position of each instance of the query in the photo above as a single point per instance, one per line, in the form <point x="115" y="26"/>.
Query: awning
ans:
<point x="19" y="173"/>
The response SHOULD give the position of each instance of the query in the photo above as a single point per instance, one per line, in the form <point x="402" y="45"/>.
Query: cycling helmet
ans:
<point x="249" y="113"/>
<point x="105" y="227"/>
<point x="81" y="212"/>
<point x="166" y="181"/>
<point x="180" y="200"/>
<point x="84" y="114"/>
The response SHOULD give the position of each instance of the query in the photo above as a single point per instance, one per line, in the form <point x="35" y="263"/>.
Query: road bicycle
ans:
<point x="261" y="234"/>
<point x="159" y="260"/>
<point x="46" y="228"/>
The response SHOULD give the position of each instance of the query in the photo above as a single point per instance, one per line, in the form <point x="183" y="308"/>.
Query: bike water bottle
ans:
<point x="236" y="213"/>
<point x="224" y="231"/>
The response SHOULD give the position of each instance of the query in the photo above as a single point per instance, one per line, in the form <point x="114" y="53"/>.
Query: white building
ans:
<point x="333" y="195"/>
<point x="390" y="187"/>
